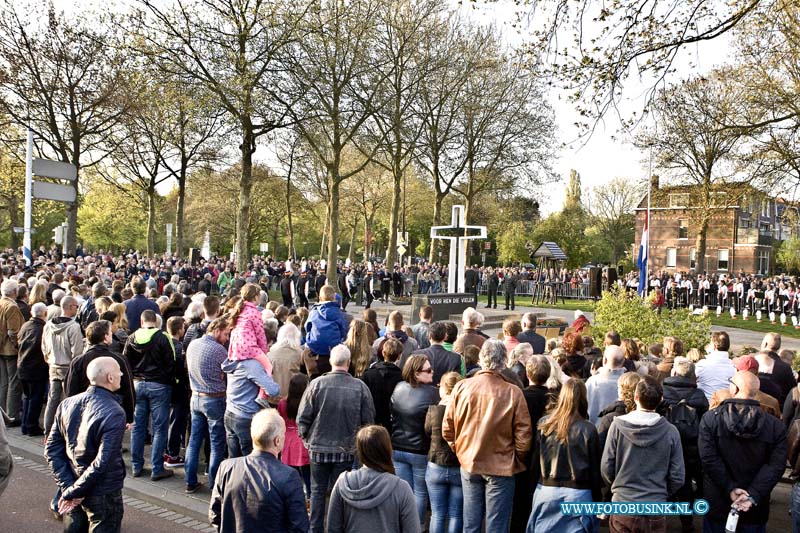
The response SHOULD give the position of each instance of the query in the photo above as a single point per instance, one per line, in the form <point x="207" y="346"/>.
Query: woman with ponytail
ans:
<point x="248" y="340"/>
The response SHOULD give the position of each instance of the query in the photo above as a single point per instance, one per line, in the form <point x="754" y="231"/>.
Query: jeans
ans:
<point x="152" y="402"/>
<point x="447" y="499"/>
<point x="33" y="397"/>
<point x="323" y="476"/>
<point x="305" y="475"/>
<point x="10" y="387"/>
<point x="237" y="433"/>
<point x="795" y="507"/>
<point x="207" y="414"/>
<point x="97" y="514"/>
<point x="487" y="495"/>
<point x="177" y="420"/>
<point x="410" y="467"/>
<point x="57" y="393"/>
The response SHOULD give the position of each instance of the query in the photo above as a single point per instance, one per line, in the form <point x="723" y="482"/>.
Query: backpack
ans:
<point x="684" y="417"/>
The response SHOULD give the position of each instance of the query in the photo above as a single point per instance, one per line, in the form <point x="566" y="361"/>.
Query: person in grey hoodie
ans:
<point x="372" y="498"/>
<point x="62" y="341"/>
<point x="642" y="459"/>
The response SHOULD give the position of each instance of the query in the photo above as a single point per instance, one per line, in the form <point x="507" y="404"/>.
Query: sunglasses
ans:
<point x="426" y="371"/>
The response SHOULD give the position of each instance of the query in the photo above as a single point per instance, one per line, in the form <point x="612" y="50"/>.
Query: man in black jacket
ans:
<point x="529" y="334"/>
<point x="32" y="370"/>
<point x="681" y="386"/>
<point x="91" y="475"/>
<point x="781" y="372"/>
<point x="492" y="286"/>
<point x="152" y="359"/>
<point x="98" y="334"/>
<point x="253" y="491"/>
<point x="442" y="360"/>
<point x="743" y="452"/>
<point x="381" y="378"/>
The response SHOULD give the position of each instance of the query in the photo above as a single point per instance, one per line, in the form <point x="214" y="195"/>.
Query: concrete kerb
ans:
<point x="144" y="490"/>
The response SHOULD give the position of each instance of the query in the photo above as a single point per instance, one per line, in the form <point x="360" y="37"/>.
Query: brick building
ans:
<point x="743" y="231"/>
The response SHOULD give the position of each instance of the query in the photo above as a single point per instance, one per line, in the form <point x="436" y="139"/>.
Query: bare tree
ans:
<point x="688" y="141"/>
<point x="612" y="207"/>
<point x="63" y="77"/>
<point x="234" y="50"/>
<point x="331" y="91"/>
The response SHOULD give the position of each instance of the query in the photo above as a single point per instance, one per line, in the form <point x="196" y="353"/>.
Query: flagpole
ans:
<point x="649" y="190"/>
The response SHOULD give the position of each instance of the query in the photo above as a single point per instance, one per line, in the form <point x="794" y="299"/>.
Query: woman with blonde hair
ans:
<point x="443" y="475"/>
<point x="568" y="464"/>
<point x="38" y="293"/>
<point x="626" y="386"/>
<point x="357" y="341"/>
<point x="119" y="308"/>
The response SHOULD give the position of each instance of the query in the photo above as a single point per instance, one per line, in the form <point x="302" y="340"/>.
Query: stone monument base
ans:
<point x="443" y="305"/>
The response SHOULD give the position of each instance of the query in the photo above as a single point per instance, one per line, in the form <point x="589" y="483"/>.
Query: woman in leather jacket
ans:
<point x="409" y="405"/>
<point x="569" y="464"/>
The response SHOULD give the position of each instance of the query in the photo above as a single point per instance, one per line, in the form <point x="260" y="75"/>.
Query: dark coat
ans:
<point x="606" y="416"/>
<point x="677" y="388"/>
<point x="381" y="378"/>
<point x="534" y="339"/>
<point x="31" y="364"/>
<point x="442" y="361"/>
<point x="77" y="382"/>
<point x="409" y="406"/>
<point x="91" y="426"/>
<point x="258" y="493"/>
<point x="741" y="446"/>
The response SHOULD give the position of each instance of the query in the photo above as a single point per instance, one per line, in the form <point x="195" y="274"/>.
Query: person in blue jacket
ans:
<point x="325" y="328"/>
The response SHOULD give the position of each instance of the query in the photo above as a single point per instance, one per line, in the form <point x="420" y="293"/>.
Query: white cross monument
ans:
<point x="458" y="233"/>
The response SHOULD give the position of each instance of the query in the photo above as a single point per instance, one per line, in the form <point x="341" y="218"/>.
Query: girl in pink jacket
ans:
<point x="248" y="340"/>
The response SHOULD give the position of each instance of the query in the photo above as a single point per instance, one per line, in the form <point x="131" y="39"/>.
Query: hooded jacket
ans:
<point x="368" y="500"/>
<point x="77" y="382"/>
<point x="151" y="356"/>
<point x="381" y="378"/>
<point x="741" y="446"/>
<point x="326" y="327"/>
<point x="62" y="341"/>
<point x="677" y="388"/>
<point x="643" y="458"/>
<point x="409" y="345"/>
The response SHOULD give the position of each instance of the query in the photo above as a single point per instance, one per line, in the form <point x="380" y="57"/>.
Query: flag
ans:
<point x="641" y="262"/>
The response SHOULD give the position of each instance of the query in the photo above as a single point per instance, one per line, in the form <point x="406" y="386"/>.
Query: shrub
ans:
<point x="633" y="318"/>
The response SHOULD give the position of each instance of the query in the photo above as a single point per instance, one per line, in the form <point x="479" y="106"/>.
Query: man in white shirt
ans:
<point x="716" y="369"/>
<point x="601" y="389"/>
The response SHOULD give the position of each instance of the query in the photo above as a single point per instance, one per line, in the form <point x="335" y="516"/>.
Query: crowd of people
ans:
<point x="318" y="419"/>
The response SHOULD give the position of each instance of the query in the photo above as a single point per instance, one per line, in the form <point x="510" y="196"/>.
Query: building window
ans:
<point x="765" y="208"/>
<point x="672" y="257"/>
<point x="765" y="228"/>
<point x="722" y="259"/>
<point x="692" y="258"/>
<point x="744" y="223"/>
<point x="718" y="199"/>
<point x="683" y="229"/>
<point x="763" y="261"/>
<point x="679" y="200"/>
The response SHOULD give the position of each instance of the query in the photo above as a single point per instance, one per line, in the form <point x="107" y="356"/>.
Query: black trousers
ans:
<point x="96" y="514"/>
<point x="492" y="297"/>
<point x="510" y="295"/>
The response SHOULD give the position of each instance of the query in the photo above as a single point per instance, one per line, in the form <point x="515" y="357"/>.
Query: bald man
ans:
<point x="743" y="452"/>
<point x="91" y="477"/>
<point x="601" y="389"/>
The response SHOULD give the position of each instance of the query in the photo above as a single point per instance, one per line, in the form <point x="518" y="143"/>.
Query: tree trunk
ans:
<point x="151" y="220"/>
<point x="72" y="222"/>
<point x="367" y="238"/>
<point x="700" y="246"/>
<point x="179" y="212"/>
<point x="291" y="252"/>
<point x="242" y="247"/>
<point x="13" y="219"/>
<point x="350" y="253"/>
<point x="332" y="219"/>
<point x="394" y="218"/>
<point x="323" y="251"/>
<point x="437" y="221"/>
